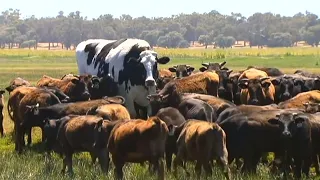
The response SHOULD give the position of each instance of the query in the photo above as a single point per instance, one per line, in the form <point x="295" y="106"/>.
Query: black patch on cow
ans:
<point x="91" y="48"/>
<point x="112" y="71"/>
<point x="100" y="59"/>
<point x="134" y="71"/>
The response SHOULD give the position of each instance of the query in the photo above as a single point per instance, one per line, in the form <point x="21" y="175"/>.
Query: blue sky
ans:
<point x="158" y="8"/>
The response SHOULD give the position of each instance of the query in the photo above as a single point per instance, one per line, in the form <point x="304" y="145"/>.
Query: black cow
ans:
<point x="182" y="70"/>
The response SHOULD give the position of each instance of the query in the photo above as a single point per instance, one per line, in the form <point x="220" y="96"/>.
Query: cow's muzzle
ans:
<point x="150" y="83"/>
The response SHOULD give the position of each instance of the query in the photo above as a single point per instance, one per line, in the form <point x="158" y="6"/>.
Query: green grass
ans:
<point x="32" y="165"/>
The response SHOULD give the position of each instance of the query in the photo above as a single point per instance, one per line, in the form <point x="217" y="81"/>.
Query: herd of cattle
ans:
<point x="121" y="105"/>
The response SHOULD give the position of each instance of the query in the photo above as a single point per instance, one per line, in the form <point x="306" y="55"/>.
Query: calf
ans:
<point x="111" y="112"/>
<point x="211" y="66"/>
<point x="78" y="135"/>
<point x="75" y="88"/>
<point x="165" y="73"/>
<point x="201" y="142"/>
<point x="171" y="116"/>
<point x="137" y="141"/>
<point x="1" y="113"/>
<point x="257" y="88"/>
<point x="182" y="70"/>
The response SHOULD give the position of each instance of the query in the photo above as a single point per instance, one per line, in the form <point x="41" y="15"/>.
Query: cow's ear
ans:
<point x="299" y="119"/>
<point x="203" y="69"/>
<point x="2" y="91"/>
<point x="274" y="121"/>
<point x="163" y="60"/>
<point x="298" y="82"/>
<point x="75" y="81"/>
<point x="172" y="69"/>
<point x="9" y="88"/>
<point x="275" y="81"/>
<point x="222" y="64"/>
<point x="243" y="85"/>
<point x="265" y="84"/>
<point x="190" y="69"/>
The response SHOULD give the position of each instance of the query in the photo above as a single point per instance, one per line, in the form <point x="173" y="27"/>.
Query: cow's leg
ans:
<point x="1" y="124"/>
<point x="168" y="159"/>
<point x="29" y="129"/>
<point x="198" y="169"/>
<point x="129" y="103"/>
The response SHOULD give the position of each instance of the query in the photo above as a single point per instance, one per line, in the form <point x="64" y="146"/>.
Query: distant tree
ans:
<point x="280" y="40"/>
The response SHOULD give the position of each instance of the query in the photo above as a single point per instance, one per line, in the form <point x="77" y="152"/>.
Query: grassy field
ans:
<point x="31" y="65"/>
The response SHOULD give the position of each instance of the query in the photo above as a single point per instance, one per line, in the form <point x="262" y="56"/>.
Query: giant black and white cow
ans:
<point x="131" y="62"/>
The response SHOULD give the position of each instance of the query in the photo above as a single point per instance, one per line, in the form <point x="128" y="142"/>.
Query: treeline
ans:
<point x="211" y="28"/>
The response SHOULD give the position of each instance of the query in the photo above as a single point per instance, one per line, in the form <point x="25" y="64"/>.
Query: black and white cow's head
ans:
<point x="146" y="65"/>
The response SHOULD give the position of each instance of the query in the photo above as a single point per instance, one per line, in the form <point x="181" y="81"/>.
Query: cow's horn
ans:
<point x="264" y="78"/>
<point x="205" y="64"/>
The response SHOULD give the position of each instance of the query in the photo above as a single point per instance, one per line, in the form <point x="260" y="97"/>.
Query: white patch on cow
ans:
<point x="148" y="59"/>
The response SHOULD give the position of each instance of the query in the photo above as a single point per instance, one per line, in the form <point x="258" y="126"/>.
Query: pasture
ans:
<point x="32" y="64"/>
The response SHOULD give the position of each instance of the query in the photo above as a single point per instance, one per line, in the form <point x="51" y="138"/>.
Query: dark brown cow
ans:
<point x="233" y="77"/>
<point x="182" y="70"/>
<point x="201" y="142"/>
<point x="171" y="116"/>
<point x="137" y="141"/>
<point x="216" y="103"/>
<point x="111" y="112"/>
<point x="16" y="83"/>
<point x="257" y="88"/>
<point x="268" y="70"/>
<point x="1" y="113"/>
<point x="77" y="108"/>
<point x="78" y="135"/>
<point x="23" y="119"/>
<point x="76" y="88"/>
<point x="306" y="74"/>
<point x="211" y="66"/>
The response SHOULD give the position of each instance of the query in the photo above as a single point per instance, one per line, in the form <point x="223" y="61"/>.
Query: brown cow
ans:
<point x="111" y="112"/>
<point x="203" y="83"/>
<point x="23" y="119"/>
<point x="299" y="100"/>
<point x="76" y="88"/>
<point x="257" y="88"/>
<point x="16" y="83"/>
<point x="78" y="134"/>
<point x="311" y="107"/>
<point x="165" y="73"/>
<point x="201" y="141"/>
<point x="1" y="114"/>
<point x="138" y="141"/>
